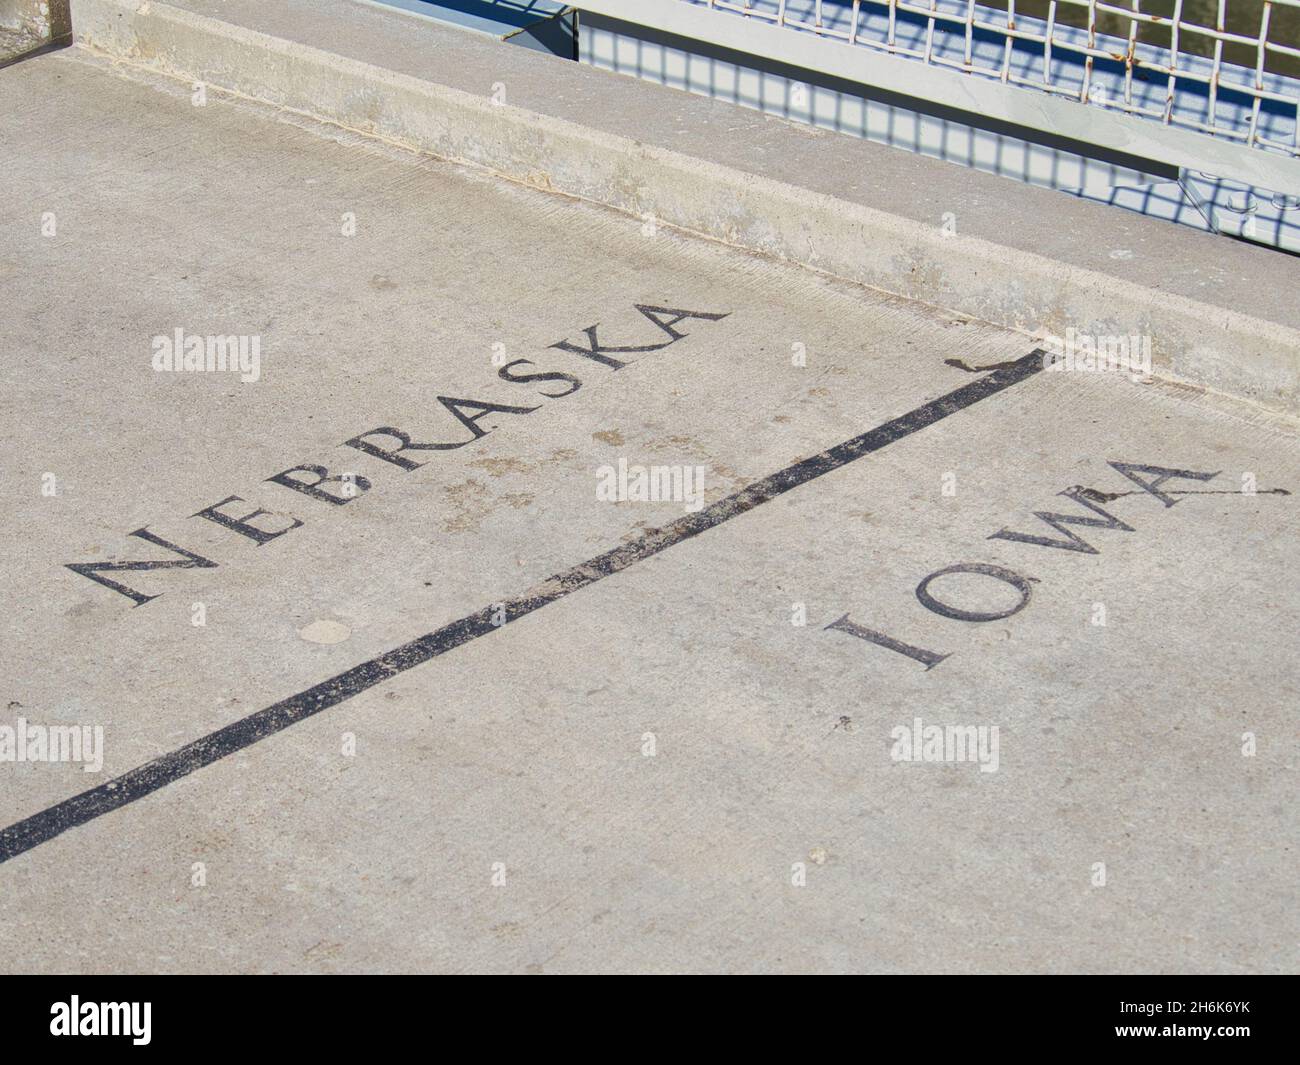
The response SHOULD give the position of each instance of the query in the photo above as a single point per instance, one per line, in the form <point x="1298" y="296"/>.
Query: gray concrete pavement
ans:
<point x="662" y="770"/>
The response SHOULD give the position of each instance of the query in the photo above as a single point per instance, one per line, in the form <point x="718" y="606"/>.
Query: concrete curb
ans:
<point x="41" y="18"/>
<point x="1205" y="344"/>
<point x="29" y="26"/>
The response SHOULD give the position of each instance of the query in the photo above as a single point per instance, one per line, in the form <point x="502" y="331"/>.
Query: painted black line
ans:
<point x="148" y="778"/>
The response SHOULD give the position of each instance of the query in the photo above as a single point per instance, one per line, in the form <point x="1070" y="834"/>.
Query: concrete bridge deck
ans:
<point x="459" y="710"/>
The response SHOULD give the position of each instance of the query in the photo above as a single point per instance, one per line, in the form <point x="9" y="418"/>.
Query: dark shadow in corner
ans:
<point x="58" y="44"/>
<point x="52" y="28"/>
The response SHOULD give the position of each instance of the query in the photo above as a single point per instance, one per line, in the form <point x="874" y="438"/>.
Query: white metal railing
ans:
<point x="1056" y="74"/>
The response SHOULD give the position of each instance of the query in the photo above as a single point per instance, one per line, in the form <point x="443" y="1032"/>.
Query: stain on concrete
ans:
<point x="470" y="501"/>
<point x="325" y="631"/>
<point x="499" y="467"/>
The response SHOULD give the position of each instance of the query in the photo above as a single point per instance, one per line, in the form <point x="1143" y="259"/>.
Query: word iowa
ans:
<point x="397" y="448"/>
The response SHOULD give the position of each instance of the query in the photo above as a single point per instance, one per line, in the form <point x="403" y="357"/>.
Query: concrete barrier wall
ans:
<point x="1210" y="344"/>
<point x="46" y="20"/>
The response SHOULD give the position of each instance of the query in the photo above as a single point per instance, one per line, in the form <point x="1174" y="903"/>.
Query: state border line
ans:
<point x="41" y="827"/>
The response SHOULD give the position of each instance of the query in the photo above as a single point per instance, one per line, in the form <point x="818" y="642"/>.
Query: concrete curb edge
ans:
<point x="1205" y="345"/>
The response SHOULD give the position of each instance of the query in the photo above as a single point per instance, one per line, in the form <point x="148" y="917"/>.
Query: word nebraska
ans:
<point x="391" y="445"/>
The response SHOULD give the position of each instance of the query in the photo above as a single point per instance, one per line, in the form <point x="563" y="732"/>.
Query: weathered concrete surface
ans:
<point x="31" y="27"/>
<point x="1120" y="744"/>
<point x="26" y="25"/>
<point x="42" y="19"/>
<point x="1220" y="314"/>
<point x="15" y="43"/>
